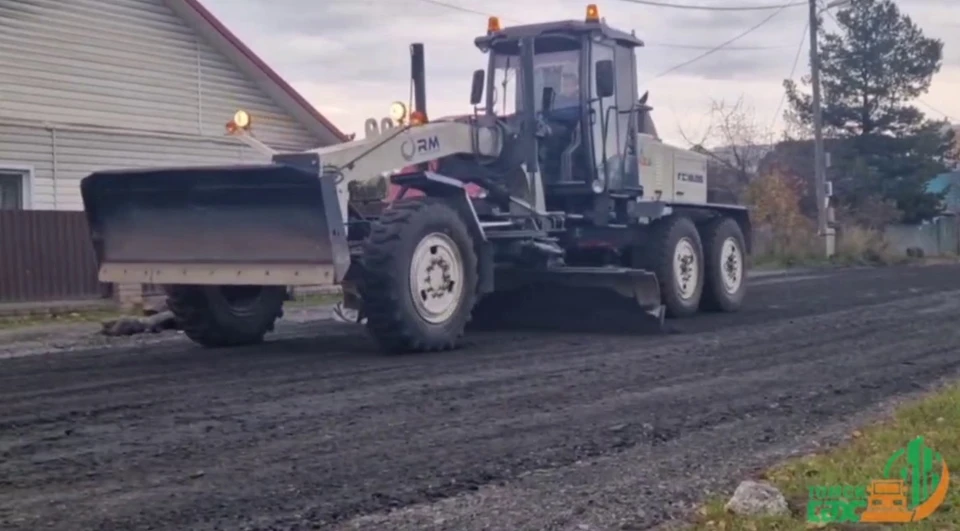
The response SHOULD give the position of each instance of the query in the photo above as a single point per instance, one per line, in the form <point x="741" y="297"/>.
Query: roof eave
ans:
<point x="208" y="26"/>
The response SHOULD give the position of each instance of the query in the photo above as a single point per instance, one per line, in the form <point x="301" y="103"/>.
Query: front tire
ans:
<point x="676" y="256"/>
<point x="420" y="277"/>
<point x="226" y="316"/>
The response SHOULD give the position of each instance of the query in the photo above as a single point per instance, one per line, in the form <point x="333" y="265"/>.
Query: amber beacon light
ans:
<point x="593" y="14"/>
<point x="241" y="121"/>
<point x="493" y="25"/>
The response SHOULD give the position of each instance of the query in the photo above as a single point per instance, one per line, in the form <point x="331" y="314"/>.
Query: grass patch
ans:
<point x="862" y="459"/>
<point x="314" y="299"/>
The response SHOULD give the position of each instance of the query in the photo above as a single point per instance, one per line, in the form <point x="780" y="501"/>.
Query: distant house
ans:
<point x="92" y="85"/>
<point x="96" y="84"/>
<point x="949" y="182"/>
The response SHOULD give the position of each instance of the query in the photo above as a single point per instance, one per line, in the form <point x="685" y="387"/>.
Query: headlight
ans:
<point x="398" y="111"/>
<point x="241" y="119"/>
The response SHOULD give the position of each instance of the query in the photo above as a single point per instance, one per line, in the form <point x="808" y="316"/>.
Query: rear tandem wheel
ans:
<point x="724" y="268"/>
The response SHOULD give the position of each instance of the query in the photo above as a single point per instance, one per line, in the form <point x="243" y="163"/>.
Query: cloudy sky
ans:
<point x="350" y="57"/>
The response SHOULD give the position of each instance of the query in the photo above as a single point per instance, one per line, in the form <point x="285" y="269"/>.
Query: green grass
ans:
<point x="314" y="299"/>
<point x="936" y="418"/>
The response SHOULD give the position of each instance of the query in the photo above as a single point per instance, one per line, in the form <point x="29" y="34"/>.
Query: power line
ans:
<point x="705" y="47"/>
<point x="934" y="109"/>
<point x="767" y="7"/>
<point x="456" y="7"/>
<point x="793" y="70"/>
<point x="462" y="9"/>
<point x="722" y="45"/>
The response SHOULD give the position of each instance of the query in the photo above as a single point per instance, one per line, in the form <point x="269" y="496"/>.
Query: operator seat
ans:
<point x="563" y="143"/>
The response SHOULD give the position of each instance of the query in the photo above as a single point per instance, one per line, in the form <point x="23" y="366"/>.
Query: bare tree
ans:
<point x="739" y="143"/>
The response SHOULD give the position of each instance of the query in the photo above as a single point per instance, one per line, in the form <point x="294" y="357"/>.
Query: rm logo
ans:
<point x="419" y="146"/>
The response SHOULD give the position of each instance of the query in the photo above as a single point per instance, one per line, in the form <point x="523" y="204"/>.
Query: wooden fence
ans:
<point x="47" y="256"/>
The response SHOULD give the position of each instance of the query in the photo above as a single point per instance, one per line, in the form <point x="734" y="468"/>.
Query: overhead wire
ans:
<point x="710" y="50"/>
<point x="697" y="7"/>
<point x="722" y="45"/>
<point x="934" y="109"/>
<point x="462" y="9"/>
<point x="793" y="70"/>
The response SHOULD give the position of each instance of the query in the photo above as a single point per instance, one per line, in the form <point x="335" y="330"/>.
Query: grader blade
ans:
<point x="576" y="299"/>
<point x="268" y="224"/>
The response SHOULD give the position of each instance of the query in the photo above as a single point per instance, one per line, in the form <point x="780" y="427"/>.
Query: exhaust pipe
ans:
<point x="418" y="77"/>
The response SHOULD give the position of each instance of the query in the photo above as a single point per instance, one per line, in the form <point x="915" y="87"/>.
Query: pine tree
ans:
<point x="871" y="70"/>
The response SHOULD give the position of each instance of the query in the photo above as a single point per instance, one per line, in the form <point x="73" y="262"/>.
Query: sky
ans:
<point x="350" y="58"/>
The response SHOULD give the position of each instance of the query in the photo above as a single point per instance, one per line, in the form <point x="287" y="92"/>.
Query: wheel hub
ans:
<point x="685" y="268"/>
<point x="436" y="274"/>
<point x="731" y="265"/>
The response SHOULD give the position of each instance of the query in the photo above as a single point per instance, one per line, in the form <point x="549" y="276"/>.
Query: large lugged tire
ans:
<point x="724" y="266"/>
<point x="420" y="277"/>
<point x="226" y="316"/>
<point x="675" y="254"/>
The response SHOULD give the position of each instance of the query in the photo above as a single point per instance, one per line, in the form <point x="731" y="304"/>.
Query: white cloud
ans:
<point x="350" y="59"/>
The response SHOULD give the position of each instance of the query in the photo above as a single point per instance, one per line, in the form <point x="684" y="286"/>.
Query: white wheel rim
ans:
<point x="731" y="265"/>
<point x="685" y="271"/>
<point x="436" y="278"/>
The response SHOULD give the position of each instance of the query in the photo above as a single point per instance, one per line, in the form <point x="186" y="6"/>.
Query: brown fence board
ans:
<point x="47" y="255"/>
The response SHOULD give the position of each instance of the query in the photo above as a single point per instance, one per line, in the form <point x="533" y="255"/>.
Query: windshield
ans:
<point x="558" y="70"/>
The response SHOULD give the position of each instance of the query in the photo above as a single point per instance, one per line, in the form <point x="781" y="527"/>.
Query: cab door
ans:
<point x="602" y="112"/>
<point x="625" y="173"/>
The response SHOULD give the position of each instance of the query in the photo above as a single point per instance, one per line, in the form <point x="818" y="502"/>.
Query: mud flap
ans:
<point x="575" y="299"/>
<point x="267" y="224"/>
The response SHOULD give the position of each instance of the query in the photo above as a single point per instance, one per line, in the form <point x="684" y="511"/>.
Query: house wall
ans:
<point x="87" y="85"/>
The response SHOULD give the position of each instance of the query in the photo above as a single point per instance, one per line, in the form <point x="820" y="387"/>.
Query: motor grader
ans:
<point x="554" y="179"/>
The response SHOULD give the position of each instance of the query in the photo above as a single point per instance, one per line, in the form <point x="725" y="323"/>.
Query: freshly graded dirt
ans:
<point x="519" y="430"/>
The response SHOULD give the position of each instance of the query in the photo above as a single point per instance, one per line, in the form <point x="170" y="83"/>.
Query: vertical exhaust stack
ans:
<point x="418" y="78"/>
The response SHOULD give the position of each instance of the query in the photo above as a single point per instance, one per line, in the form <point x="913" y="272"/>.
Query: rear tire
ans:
<point x="675" y="254"/>
<point x="226" y="316"/>
<point x="724" y="267"/>
<point x="420" y="277"/>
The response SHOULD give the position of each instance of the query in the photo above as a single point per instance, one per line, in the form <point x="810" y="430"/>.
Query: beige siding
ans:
<point x="61" y="157"/>
<point x="71" y="67"/>
<point x="125" y="63"/>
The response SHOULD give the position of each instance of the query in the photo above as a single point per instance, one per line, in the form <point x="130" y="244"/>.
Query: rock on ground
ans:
<point x="756" y="498"/>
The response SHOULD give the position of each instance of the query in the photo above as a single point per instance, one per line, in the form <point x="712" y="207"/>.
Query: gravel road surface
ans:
<point x="520" y="430"/>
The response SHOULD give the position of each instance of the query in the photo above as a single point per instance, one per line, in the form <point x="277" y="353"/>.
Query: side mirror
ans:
<point x="546" y="100"/>
<point x="476" y="89"/>
<point x="604" y="78"/>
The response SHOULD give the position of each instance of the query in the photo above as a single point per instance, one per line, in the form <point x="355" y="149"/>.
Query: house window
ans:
<point x="12" y="185"/>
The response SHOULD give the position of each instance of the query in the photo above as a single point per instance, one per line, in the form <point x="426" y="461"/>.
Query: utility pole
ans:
<point x="819" y="162"/>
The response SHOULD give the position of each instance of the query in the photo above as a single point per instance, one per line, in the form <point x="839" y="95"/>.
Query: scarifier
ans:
<point x="558" y="179"/>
